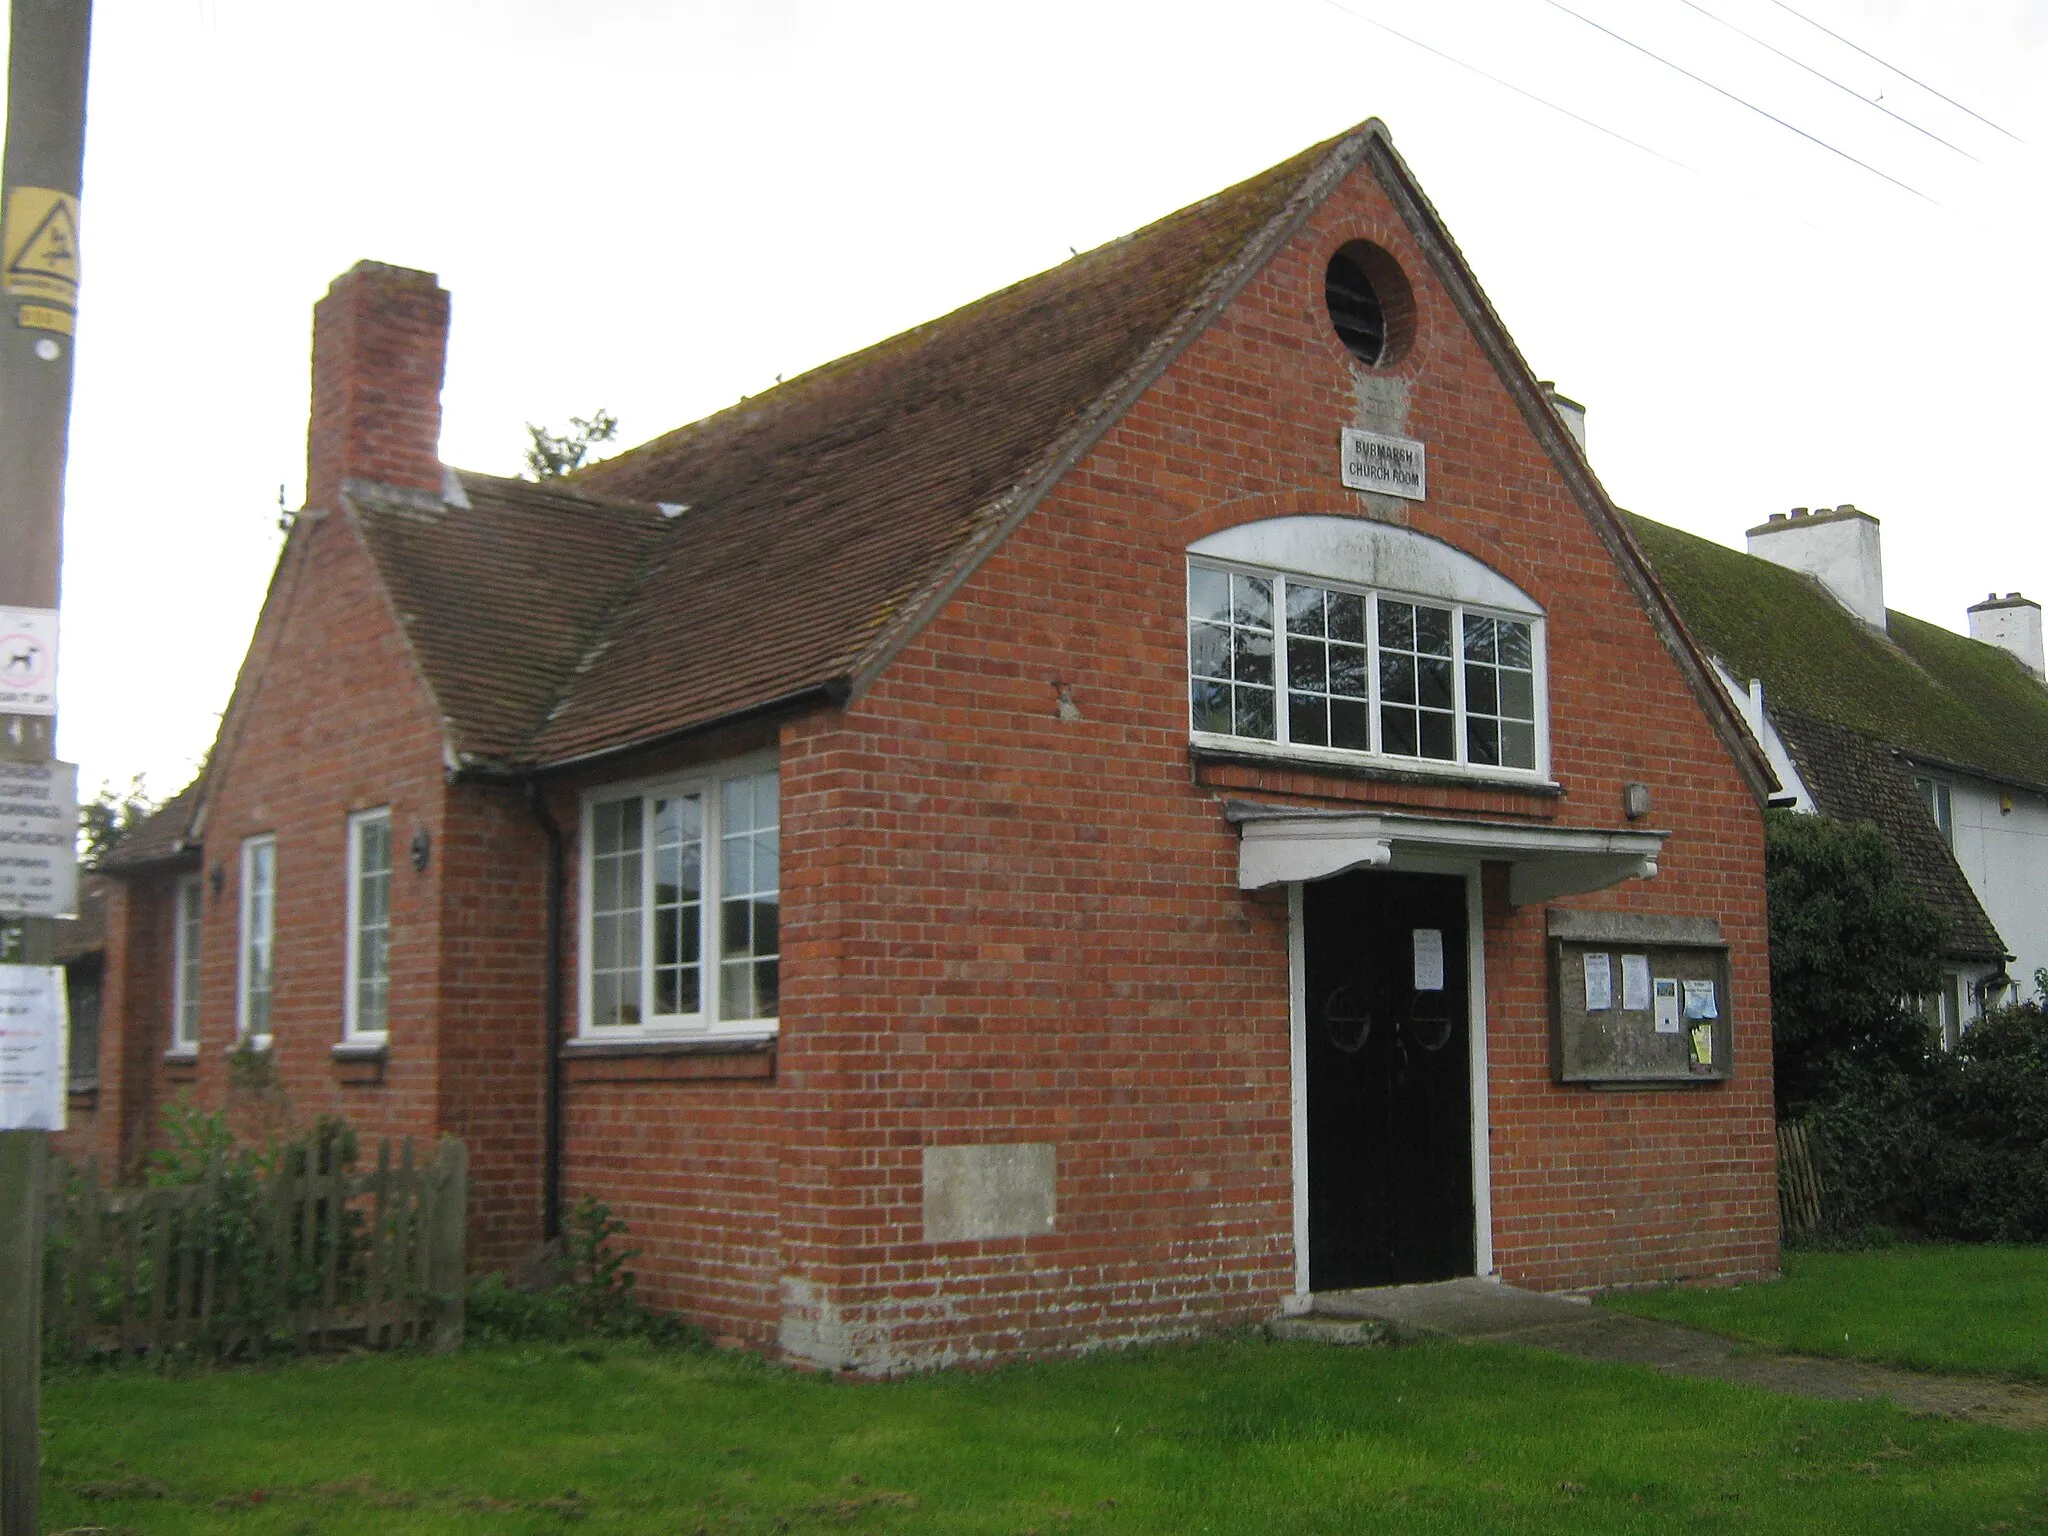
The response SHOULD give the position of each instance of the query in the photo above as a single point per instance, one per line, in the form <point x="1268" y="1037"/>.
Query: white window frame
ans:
<point x="1281" y="747"/>
<point x="187" y="923"/>
<point x="1938" y="795"/>
<point x="351" y="1012"/>
<point x="252" y="849"/>
<point x="707" y="782"/>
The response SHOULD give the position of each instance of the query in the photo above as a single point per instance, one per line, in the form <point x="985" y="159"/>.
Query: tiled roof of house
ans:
<point x="557" y="621"/>
<point x="1938" y="696"/>
<point x="163" y="835"/>
<point x="1855" y="778"/>
<point x="504" y="594"/>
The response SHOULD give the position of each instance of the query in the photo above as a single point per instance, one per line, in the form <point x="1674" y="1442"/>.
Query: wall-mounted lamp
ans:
<point x="218" y="879"/>
<point x="1635" y="801"/>
<point x="422" y="848"/>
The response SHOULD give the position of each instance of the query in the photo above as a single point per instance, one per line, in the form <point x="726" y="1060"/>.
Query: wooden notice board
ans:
<point x="1638" y="1000"/>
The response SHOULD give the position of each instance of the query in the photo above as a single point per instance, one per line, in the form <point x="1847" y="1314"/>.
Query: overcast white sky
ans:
<point x="659" y="205"/>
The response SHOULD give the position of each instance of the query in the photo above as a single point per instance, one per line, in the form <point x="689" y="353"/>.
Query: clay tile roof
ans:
<point x="1854" y="778"/>
<point x="504" y="598"/>
<point x="163" y="836"/>
<point x="822" y="515"/>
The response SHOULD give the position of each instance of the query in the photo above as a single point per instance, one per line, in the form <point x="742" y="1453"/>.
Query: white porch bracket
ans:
<point x="1279" y="844"/>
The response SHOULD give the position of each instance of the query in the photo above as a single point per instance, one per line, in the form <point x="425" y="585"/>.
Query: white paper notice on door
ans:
<point x="34" y="1026"/>
<point x="1429" y="959"/>
<point x="1635" y="983"/>
<point x="1599" y="983"/>
<point x="1665" y="989"/>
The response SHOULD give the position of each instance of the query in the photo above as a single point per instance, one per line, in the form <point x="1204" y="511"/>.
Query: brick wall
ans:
<point x="334" y="722"/>
<point x="1004" y="926"/>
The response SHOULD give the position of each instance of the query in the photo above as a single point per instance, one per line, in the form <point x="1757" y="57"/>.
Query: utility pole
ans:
<point x="39" y="187"/>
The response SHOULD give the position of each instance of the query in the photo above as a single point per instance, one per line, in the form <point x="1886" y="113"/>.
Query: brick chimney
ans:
<point x="1838" y="546"/>
<point x="380" y="343"/>
<point x="2012" y="623"/>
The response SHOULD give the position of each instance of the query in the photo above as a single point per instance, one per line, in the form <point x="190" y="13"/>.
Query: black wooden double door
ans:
<point x="1389" y="1085"/>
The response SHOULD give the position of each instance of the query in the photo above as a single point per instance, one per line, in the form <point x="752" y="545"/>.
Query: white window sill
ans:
<point x="252" y="1043"/>
<point x="178" y="1053"/>
<point x="641" y="1038"/>
<point x="1376" y="763"/>
<point x="359" y="1046"/>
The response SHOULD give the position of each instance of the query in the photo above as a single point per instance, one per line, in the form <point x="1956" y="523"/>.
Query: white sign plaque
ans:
<point x="1429" y="959"/>
<point x="1393" y="466"/>
<point x="28" y="661"/>
<point x="38" y="839"/>
<point x="34" y="1041"/>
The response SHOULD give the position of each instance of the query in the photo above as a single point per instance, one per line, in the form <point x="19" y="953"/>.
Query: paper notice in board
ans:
<point x="34" y="1034"/>
<point x="1699" y="1000"/>
<point x="1599" y="983"/>
<point x="1635" y="983"/>
<point x="1664" y="991"/>
<point x="1429" y="959"/>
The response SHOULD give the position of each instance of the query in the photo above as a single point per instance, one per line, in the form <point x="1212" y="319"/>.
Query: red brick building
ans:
<point x="1070" y="825"/>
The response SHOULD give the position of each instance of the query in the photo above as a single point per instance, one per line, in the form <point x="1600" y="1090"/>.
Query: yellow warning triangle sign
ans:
<point x="40" y="238"/>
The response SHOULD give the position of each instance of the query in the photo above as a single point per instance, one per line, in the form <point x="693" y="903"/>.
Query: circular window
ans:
<point x="1372" y="308"/>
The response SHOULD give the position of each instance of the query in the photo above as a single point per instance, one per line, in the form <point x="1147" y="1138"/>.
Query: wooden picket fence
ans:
<point x="315" y="1258"/>
<point x="1798" y="1182"/>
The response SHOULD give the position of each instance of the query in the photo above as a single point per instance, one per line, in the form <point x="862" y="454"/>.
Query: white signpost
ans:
<point x="28" y="661"/>
<point x="35" y="1036"/>
<point x="1393" y="466"/>
<point x="38" y="839"/>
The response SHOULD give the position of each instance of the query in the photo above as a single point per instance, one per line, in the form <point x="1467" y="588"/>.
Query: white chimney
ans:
<point x="1837" y="546"/>
<point x="2012" y="623"/>
<point x="1569" y="411"/>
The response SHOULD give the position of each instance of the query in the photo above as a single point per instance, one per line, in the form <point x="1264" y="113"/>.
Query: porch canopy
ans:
<point x="1280" y="843"/>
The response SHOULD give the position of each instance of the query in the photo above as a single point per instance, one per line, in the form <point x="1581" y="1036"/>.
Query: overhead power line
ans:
<point x="1739" y="101"/>
<point x="1508" y="85"/>
<point x="1831" y="32"/>
<point x="1831" y="80"/>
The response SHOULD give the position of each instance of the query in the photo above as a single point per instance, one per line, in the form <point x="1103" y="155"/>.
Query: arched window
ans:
<point x="1324" y="637"/>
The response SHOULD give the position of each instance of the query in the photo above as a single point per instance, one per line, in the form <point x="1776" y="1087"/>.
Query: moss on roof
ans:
<point x="1934" y="694"/>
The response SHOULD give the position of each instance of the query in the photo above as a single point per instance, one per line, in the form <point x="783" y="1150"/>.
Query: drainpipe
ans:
<point x="551" y="1133"/>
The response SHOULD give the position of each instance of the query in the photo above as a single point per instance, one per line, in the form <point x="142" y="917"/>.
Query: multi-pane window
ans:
<point x="185" y="967"/>
<point x="683" y="905"/>
<point x="367" y="1010"/>
<point x="259" y="921"/>
<point x="1360" y="671"/>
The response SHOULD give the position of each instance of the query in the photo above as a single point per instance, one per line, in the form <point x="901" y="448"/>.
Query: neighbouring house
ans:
<point x="1868" y="714"/>
<point x="1163" y="792"/>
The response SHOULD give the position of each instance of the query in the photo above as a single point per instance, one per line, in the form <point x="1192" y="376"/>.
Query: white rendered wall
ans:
<point x="1750" y="703"/>
<point x="2005" y="856"/>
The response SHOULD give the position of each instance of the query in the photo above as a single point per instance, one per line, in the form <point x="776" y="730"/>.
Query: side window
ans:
<point x="682" y="906"/>
<point x="258" y="928"/>
<point x="185" y="966"/>
<point x="1940" y="802"/>
<point x="1357" y="671"/>
<point x="367" y="1007"/>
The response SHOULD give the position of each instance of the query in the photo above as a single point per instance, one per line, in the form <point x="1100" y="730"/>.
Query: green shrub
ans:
<point x="1954" y="1150"/>
<point x="598" y="1297"/>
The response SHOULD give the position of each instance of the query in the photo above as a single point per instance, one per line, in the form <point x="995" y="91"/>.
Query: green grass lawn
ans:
<point x="1237" y="1436"/>
<point x="1981" y="1310"/>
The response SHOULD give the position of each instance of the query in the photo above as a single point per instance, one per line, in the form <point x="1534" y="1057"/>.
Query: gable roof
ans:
<point x="865" y="483"/>
<point x="816" y="527"/>
<point x="1938" y="696"/>
<point x="1853" y="778"/>
<point x="166" y="834"/>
